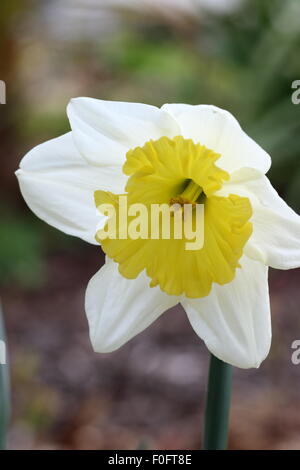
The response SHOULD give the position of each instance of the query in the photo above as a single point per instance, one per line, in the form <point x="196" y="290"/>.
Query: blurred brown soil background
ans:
<point x="151" y="392"/>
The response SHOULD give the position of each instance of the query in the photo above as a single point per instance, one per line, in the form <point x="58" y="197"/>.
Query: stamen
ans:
<point x="192" y="191"/>
<point x="189" y="195"/>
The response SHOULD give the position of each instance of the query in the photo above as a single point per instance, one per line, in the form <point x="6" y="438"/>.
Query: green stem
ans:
<point x="217" y="405"/>
<point x="4" y="390"/>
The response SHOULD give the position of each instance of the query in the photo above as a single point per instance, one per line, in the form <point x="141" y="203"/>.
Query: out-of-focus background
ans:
<point x="240" y="55"/>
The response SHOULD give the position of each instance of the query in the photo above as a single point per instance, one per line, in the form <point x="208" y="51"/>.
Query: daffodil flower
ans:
<point x="178" y="153"/>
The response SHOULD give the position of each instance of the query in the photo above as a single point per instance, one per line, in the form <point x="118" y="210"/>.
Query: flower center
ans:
<point x="189" y="195"/>
<point x="174" y="172"/>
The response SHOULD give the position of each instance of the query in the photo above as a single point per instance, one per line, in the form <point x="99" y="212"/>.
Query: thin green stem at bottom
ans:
<point x="4" y="390"/>
<point x="217" y="405"/>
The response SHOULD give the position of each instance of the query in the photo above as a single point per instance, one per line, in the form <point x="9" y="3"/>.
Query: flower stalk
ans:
<point x="4" y="393"/>
<point x="217" y="408"/>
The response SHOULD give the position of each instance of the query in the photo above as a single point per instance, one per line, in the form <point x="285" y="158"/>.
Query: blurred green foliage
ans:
<point x="21" y="250"/>
<point x="24" y="244"/>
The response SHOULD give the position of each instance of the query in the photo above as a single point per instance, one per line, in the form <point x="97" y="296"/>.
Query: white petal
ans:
<point x="234" y="320"/>
<point x="58" y="186"/>
<point x="219" y="130"/>
<point x="276" y="227"/>
<point x="118" y="308"/>
<point x="105" y="130"/>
